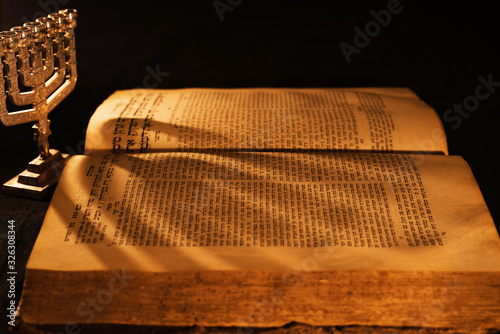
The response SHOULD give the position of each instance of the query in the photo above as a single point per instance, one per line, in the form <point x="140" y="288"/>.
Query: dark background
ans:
<point x="436" y="49"/>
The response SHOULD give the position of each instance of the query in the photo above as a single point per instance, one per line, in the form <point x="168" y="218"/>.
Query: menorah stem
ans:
<point x="42" y="132"/>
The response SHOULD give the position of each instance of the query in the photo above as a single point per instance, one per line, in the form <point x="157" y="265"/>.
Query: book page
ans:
<point x="187" y="211"/>
<point x="367" y="119"/>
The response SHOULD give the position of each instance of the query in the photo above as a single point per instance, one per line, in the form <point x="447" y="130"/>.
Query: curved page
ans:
<point x="366" y="119"/>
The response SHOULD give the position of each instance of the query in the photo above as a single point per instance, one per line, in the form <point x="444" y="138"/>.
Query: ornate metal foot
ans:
<point x="39" y="179"/>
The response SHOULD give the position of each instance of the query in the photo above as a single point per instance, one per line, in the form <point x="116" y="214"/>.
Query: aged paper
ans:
<point x="372" y="119"/>
<point x="185" y="211"/>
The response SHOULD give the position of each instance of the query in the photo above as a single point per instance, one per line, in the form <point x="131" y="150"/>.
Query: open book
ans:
<point x="260" y="207"/>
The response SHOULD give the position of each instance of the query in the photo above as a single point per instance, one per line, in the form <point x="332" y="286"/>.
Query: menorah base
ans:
<point x="39" y="179"/>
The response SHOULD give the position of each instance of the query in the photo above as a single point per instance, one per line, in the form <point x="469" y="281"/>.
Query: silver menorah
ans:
<point x="37" y="71"/>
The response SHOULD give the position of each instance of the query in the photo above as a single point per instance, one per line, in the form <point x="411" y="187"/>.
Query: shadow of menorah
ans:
<point x="37" y="71"/>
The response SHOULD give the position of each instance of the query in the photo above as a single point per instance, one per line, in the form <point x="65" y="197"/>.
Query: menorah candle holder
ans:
<point x="37" y="72"/>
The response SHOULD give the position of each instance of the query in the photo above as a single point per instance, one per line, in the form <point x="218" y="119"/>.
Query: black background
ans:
<point x="436" y="49"/>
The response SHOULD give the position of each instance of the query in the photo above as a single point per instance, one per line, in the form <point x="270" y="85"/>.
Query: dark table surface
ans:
<point x="442" y="51"/>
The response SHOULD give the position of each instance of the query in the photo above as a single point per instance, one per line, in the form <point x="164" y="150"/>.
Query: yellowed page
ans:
<point x="178" y="211"/>
<point x="371" y="119"/>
